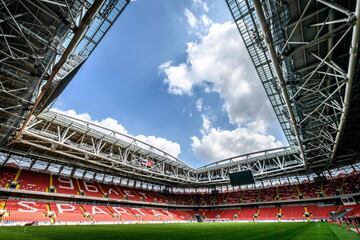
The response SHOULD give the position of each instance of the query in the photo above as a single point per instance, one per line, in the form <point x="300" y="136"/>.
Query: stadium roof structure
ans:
<point x="43" y="45"/>
<point x="60" y="138"/>
<point x="306" y="56"/>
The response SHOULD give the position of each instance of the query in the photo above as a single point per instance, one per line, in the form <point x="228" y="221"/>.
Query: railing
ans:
<point x="253" y="155"/>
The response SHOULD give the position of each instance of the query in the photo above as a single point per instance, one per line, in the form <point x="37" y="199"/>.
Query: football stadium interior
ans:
<point x="58" y="172"/>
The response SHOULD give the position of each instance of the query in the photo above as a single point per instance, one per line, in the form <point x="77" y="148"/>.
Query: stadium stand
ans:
<point x="7" y="175"/>
<point x="25" y="211"/>
<point x="65" y="212"/>
<point x="27" y="180"/>
<point x="15" y="178"/>
<point x="112" y="177"/>
<point x="293" y="213"/>
<point x="64" y="185"/>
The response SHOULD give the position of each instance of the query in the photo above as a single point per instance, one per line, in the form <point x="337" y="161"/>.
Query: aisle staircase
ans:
<point x="257" y="214"/>
<point x="51" y="188"/>
<point x="81" y="192"/>
<point x="3" y="211"/>
<point x="307" y="214"/>
<point x="85" y="214"/>
<point x="50" y="214"/>
<point x="279" y="214"/>
<point x="113" y="214"/>
<point x="300" y="194"/>
<point x="14" y="183"/>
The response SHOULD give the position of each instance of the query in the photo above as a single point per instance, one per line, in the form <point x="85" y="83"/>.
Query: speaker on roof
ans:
<point x="320" y="179"/>
<point x="214" y="191"/>
<point x="241" y="178"/>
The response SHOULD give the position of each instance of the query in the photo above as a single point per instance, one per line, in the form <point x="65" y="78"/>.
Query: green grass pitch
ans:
<point x="188" y="231"/>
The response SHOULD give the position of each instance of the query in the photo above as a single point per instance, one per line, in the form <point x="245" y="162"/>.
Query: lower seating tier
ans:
<point x="61" y="212"/>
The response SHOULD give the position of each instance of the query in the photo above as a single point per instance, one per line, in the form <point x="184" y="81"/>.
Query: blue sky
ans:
<point x="176" y="75"/>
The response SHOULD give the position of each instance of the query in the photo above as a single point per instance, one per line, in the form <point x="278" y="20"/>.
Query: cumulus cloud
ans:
<point x="206" y="125"/>
<point x="178" y="79"/>
<point x="108" y="122"/>
<point x="199" y="104"/>
<point x="220" y="63"/>
<point x="168" y="146"/>
<point x="191" y="19"/>
<point x="216" y="144"/>
<point x="198" y="25"/>
<point x="171" y="147"/>
<point x="200" y="4"/>
<point x="206" y="20"/>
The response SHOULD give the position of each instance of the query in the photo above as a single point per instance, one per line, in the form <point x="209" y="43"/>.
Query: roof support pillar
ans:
<point x="350" y="78"/>
<point x="280" y="77"/>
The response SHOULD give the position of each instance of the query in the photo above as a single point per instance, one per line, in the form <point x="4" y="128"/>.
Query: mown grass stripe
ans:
<point x="198" y="231"/>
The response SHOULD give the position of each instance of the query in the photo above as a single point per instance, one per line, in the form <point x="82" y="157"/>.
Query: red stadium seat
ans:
<point x="26" y="211"/>
<point x="31" y="181"/>
<point x="7" y="175"/>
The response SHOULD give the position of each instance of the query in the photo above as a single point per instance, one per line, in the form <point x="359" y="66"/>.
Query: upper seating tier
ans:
<point x="45" y="182"/>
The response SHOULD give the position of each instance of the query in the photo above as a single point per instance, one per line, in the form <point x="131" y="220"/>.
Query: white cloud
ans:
<point x="216" y="144"/>
<point x="206" y="125"/>
<point x="199" y="104"/>
<point x="206" y="20"/>
<point x="220" y="63"/>
<point x="165" y="65"/>
<point x="191" y="19"/>
<point x="198" y="25"/>
<point x="201" y="4"/>
<point x="178" y="79"/>
<point x="168" y="146"/>
<point x="108" y="122"/>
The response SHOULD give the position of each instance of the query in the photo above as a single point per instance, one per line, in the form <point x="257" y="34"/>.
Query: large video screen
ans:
<point x="241" y="178"/>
